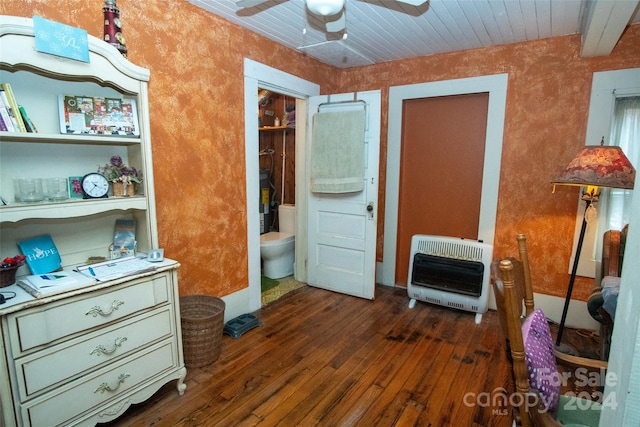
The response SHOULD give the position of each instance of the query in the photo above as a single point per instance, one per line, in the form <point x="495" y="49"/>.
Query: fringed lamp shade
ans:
<point x="594" y="166"/>
<point x="601" y="166"/>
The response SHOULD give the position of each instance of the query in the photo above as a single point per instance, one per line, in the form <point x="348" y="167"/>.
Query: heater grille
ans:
<point x="469" y="250"/>
<point x="436" y="277"/>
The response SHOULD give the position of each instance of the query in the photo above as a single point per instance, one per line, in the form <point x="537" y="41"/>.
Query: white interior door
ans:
<point x="342" y="227"/>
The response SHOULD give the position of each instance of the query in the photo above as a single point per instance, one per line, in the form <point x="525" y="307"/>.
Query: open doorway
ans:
<point x="259" y="76"/>
<point x="276" y="157"/>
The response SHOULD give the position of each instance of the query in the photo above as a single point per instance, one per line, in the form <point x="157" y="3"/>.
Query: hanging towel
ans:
<point x="337" y="152"/>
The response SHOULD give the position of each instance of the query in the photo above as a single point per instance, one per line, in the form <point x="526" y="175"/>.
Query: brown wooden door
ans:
<point x="443" y="144"/>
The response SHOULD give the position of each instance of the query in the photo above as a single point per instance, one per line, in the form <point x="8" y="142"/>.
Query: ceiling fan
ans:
<point x="333" y="11"/>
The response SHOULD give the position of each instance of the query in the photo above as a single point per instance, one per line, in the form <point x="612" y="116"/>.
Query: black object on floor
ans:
<point x="241" y="324"/>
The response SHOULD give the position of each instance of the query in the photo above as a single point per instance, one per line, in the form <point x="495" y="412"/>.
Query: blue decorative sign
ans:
<point x="61" y="40"/>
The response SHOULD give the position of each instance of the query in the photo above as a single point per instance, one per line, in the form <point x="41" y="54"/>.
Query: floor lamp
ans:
<point x="595" y="166"/>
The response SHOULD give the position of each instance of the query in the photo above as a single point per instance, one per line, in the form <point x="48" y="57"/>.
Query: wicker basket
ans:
<point x="8" y="275"/>
<point x="121" y="190"/>
<point x="202" y="318"/>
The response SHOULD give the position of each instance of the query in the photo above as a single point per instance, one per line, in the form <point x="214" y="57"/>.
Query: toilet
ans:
<point x="277" y="248"/>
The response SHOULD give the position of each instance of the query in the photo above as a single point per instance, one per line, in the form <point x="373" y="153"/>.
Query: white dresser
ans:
<point x="84" y="357"/>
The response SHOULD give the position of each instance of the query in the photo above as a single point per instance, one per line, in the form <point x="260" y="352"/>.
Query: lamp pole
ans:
<point x="574" y="270"/>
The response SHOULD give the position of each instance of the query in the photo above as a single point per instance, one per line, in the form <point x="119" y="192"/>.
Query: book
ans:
<point x="27" y="120"/>
<point x="41" y="285"/>
<point x="7" y="112"/>
<point x="124" y="239"/>
<point x="14" y="106"/>
<point x="41" y="254"/>
<point x="3" y="127"/>
<point x="98" y="115"/>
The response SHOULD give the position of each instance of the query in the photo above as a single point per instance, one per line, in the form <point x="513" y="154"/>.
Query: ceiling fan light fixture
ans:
<point x="325" y="7"/>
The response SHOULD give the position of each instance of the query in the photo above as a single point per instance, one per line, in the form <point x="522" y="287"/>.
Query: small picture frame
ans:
<point x="155" y="255"/>
<point x="75" y="187"/>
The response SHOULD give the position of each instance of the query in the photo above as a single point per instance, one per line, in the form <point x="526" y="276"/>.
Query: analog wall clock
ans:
<point x="94" y="186"/>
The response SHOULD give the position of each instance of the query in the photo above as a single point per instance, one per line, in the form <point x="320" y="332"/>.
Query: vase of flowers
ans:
<point x="8" y="269"/>
<point x="123" y="178"/>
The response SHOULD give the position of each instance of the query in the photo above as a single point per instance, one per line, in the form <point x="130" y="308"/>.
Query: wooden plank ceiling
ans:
<point x="386" y="30"/>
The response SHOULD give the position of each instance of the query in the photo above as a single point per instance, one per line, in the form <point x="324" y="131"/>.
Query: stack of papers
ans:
<point x="41" y="285"/>
<point x="114" y="269"/>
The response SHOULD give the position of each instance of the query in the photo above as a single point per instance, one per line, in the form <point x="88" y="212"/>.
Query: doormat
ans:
<point x="267" y="283"/>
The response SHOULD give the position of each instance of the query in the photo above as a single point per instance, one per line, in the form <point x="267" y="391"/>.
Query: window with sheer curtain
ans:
<point x="625" y="132"/>
<point x="615" y="101"/>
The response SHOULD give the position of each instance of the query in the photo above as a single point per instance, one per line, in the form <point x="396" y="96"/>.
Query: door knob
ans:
<point x="370" y="209"/>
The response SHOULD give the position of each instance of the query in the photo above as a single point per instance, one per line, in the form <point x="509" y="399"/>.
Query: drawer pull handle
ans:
<point x="106" y="387"/>
<point x="98" y="310"/>
<point x="100" y="349"/>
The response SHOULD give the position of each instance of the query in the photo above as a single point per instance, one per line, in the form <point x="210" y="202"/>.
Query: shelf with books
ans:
<point x="73" y="107"/>
<point x="55" y="151"/>
<point x="39" y="82"/>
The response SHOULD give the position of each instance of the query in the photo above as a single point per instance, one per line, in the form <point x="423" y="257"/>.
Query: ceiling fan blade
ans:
<point x="413" y="2"/>
<point x="249" y="3"/>
<point x="337" y="25"/>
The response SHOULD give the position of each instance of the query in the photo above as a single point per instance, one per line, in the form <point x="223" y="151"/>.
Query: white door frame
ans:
<point x="496" y="86"/>
<point x="257" y="75"/>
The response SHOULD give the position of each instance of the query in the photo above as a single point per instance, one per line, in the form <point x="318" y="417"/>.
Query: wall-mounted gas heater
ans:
<point x="451" y="272"/>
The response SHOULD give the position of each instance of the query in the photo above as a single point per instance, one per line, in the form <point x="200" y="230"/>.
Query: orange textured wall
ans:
<point x="545" y="125"/>
<point x="196" y="106"/>
<point x="196" y="103"/>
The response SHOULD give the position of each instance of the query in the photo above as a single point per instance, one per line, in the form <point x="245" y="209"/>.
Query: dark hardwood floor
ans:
<point x="322" y="358"/>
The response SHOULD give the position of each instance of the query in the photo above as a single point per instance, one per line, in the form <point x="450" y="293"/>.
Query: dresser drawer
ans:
<point x="111" y="383"/>
<point x="45" y="324"/>
<point x="70" y="359"/>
